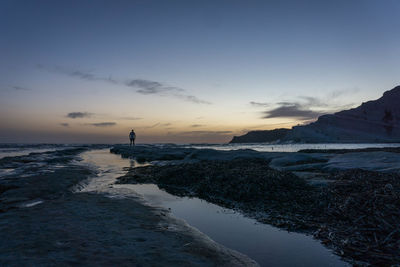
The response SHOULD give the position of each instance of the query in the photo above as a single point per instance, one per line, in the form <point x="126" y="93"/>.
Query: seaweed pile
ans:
<point x="238" y="183"/>
<point x="358" y="214"/>
<point x="362" y="216"/>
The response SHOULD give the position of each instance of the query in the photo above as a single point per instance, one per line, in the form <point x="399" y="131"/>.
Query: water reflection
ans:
<point x="289" y="147"/>
<point x="266" y="244"/>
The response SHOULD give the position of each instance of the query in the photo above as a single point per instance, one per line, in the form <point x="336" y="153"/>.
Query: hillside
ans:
<point x="261" y="136"/>
<point x="373" y="121"/>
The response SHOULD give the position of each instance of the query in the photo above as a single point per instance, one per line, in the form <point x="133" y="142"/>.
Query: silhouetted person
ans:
<point x="132" y="137"/>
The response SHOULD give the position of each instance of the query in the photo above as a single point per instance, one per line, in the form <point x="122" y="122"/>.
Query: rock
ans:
<point x="376" y="121"/>
<point x="373" y="121"/>
<point x="261" y="136"/>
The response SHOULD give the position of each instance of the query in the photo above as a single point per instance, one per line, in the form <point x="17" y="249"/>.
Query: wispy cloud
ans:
<point x="192" y="98"/>
<point x="147" y="87"/>
<point x="83" y="75"/>
<point x="75" y="115"/>
<point x="20" y="88"/>
<point x="341" y="92"/>
<point x="143" y="86"/>
<point x="259" y="104"/>
<point x="131" y="118"/>
<point x="158" y="124"/>
<point x="205" y="132"/>
<point x="102" y="124"/>
<point x="152" y="126"/>
<point x="64" y="124"/>
<point x="196" y="125"/>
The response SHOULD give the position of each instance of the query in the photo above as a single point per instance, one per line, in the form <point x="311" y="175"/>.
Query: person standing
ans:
<point x="132" y="137"/>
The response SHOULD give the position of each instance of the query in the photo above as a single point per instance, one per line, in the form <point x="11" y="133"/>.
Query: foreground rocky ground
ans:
<point x="356" y="212"/>
<point x="44" y="223"/>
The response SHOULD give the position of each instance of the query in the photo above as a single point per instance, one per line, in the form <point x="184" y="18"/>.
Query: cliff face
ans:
<point x="261" y="136"/>
<point x="373" y="121"/>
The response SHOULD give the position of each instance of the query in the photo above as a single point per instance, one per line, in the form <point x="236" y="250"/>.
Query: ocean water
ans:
<point x="13" y="150"/>
<point x="24" y="160"/>
<point x="289" y="147"/>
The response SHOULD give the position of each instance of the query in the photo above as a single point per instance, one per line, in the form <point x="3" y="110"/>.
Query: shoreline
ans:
<point x="44" y="222"/>
<point x="340" y="213"/>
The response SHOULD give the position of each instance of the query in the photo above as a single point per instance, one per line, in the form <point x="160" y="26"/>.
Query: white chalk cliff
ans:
<point x="373" y="121"/>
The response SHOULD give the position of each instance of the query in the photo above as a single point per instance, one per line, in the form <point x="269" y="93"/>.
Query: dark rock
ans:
<point x="261" y="136"/>
<point x="357" y="214"/>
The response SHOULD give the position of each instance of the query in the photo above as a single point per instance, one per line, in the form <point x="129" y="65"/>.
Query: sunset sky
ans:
<point x="187" y="71"/>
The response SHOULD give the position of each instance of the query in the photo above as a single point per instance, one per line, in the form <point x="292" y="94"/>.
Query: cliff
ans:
<point x="376" y="121"/>
<point x="373" y="121"/>
<point x="261" y="136"/>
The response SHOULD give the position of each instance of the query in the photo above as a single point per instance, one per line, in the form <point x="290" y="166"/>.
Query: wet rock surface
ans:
<point x="44" y="223"/>
<point x="357" y="213"/>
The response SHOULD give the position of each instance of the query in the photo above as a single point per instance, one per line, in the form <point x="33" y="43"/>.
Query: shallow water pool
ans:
<point x="266" y="244"/>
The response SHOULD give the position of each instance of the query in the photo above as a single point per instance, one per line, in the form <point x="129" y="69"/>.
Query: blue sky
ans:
<point x="187" y="71"/>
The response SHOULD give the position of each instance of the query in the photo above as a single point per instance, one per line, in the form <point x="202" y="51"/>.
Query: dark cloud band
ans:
<point x="102" y="124"/>
<point x="75" y="115"/>
<point x="142" y="86"/>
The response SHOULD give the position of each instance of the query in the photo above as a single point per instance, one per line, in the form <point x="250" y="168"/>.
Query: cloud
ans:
<point x="206" y="132"/>
<point x="192" y="98"/>
<point x="294" y="110"/>
<point x="306" y="108"/>
<point x="75" y="115"/>
<point x="302" y="109"/>
<point x="259" y="104"/>
<point x="131" y="118"/>
<point x="158" y="124"/>
<point x="19" y="88"/>
<point x="84" y="75"/>
<point x="338" y="93"/>
<point x="145" y="87"/>
<point x="64" y="124"/>
<point x="196" y="125"/>
<point x="152" y="126"/>
<point x="102" y="124"/>
<point x="313" y="102"/>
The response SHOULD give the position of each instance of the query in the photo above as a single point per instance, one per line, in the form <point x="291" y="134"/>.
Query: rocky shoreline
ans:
<point x="45" y="222"/>
<point x="356" y="214"/>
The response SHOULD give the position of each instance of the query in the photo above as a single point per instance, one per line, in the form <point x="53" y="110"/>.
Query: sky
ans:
<point x="187" y="71"/>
